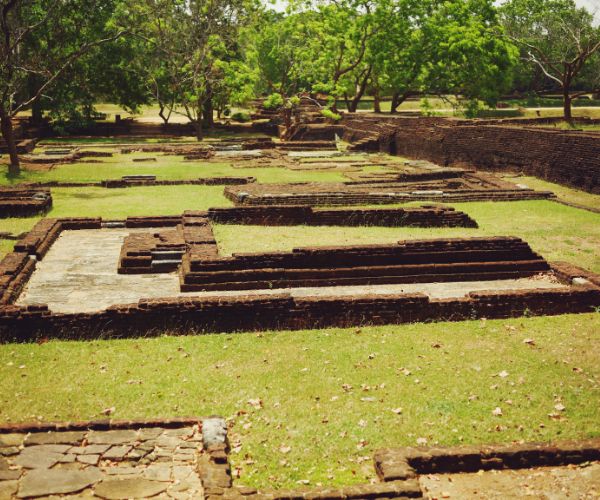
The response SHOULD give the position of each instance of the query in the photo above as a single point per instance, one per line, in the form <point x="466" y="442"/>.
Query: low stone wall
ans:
<point x="471" y="187"/>
<point x="267" y="312"/>
<point x="393" y="464"/>
<point x="24" y="202"/>
<point x="206" y="181"/>
<point x="411" y="261"/>
<point x="566" y="157"/>
<point x="281" y="311"/>
<point x="424" y="216"/>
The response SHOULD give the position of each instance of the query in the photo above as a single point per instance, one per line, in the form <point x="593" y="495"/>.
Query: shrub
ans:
<point x="327" y="113"/>
<point x="240" y="116"/>
<point x="273" y="101"/>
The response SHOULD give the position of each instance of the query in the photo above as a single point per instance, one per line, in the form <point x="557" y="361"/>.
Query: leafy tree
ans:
<point x="441" y="47"/>
<point x="194" y="45"/>
<point x="39" y="41"/>
<point x="561" y="40"/>
<point x="278" y="48"/>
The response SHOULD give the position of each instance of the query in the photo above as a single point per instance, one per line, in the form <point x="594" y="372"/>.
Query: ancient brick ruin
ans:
<point x="456" y="185"/>
<point x="576" y="290"/>
<point x="413" y="261"/>
<point x="24" y="202"/>
<point x="565" y="157"/>
<point x="189" y="457"/>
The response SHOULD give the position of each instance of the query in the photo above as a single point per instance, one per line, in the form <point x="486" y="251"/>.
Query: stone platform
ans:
<point x="24" y="202"/>
<point x="173" y="458"/>
<point x="62" y="281"/>
<point x="187" y="458"/>
<point x="454" y="185"/>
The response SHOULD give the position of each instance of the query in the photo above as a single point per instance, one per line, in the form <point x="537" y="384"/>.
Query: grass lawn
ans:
<point x="562" y="192"/>
<point x="331" y="396"/>
<point x="120" y="203"/>
<point x="166" y="167"/>
<point x="556" y="231"/>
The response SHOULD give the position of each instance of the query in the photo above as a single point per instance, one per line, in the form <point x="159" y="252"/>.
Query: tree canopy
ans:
<point x="194" y="57"/>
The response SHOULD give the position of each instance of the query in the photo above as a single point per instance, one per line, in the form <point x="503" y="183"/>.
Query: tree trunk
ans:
<point x="161" y="113"/>
<point x="198" y="129"/>
<point x="395" y="102"/>
<point x="207" y="113"/>
<point x="567" y="115"/>
<point x="14" y="168"/>
<point x="360" y="91"/>
<point x="376" y="101"/>
<point x="398" y="98"/>
<point x="37" y="114"/>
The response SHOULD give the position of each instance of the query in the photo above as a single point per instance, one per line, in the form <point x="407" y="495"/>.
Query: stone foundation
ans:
<point x="454" y="186"/>
<point x="566" y="157"/>
<point x="258" y="311"/>
<point x="24" y="202"/>
<point x="414" y="261"/>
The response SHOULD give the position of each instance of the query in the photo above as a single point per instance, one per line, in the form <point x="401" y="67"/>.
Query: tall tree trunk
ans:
<point x="198" y="129"/>
<point x="376" y="101"/>
<point x="14" y="168"/>
<point x="567" y="114"/>
<point x="395" y="102"/>
<point x="37" y="114"/>
<point x="361" y="86"/>
<point x="207" y="113"/>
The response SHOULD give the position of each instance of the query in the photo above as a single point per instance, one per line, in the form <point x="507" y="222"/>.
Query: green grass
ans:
<point x="328" y="395"/>
<point x="6" y="246"/>
<point x="166" y="167"/>
<point x="564" y="193"/>
<point x="556" y="231"/>
<point x="119" y="203"/>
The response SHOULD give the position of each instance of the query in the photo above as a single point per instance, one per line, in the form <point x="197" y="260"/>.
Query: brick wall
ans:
<point x="567" y="157"/>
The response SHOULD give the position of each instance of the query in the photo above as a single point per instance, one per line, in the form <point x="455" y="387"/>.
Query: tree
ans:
<point x="39" y="41"/>
<point x="193" y="44"/>
<point x="334" y="60"/>
<point x="441" y="47"/>
<point x="277" y="48"/>
<point x="561" y="40"/>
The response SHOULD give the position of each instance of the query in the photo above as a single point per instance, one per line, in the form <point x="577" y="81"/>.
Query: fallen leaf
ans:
<point x="397" y="411"/>
<point x="256" y="403"/>
<point x="497" y="412"/>
<point x="108" y="411"/>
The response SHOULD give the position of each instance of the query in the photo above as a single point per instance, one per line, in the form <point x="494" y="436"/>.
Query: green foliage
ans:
<point x="558" y="41"/>
<point x="331" y="115"/>
<point x="426" y="108"/>
<point x="240" y="116"/>
<point x="273" y="101"/>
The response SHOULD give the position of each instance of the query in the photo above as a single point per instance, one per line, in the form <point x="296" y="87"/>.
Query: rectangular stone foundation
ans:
<point x="24" y="202"/>
<point x="416" y="261"/>
<point x="455" y="186"/>
<point x="262" y="311"/>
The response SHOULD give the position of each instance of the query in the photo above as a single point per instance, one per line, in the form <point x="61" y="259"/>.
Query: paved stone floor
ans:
<point x="79" y="274"/>
<point x="549" y="483"/>
<point x="114" y="464"/>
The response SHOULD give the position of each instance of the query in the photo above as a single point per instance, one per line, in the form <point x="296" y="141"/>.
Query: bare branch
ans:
<point x="70" y="59"/>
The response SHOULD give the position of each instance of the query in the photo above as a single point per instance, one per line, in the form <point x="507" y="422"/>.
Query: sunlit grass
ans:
<point x="331" y="396"/>
<point x="556" y="231"/>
